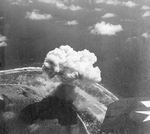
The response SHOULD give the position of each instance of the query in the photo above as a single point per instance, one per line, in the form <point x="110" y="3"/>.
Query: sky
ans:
<point x="117" y="31"/>
<point x="87" y="7"/>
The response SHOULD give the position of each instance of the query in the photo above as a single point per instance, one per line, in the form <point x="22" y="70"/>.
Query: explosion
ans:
<point x="75" y="71"/>
<point x="71" y="64"/>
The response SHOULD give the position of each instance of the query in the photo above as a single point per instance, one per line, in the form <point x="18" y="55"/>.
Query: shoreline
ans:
<point x="23" y="69"/>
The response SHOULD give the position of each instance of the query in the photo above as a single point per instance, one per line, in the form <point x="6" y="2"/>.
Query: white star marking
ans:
<point x="147" y="104"/>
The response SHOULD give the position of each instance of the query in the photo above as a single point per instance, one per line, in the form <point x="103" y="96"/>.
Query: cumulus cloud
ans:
<point x="74" y="22"/>
<point x="58" y="4"/>
<point x="108" y="15"/>
<point x="106" y="28"/>
<point x="145" y="35"/>
<point x="61" y="5"/>
<point x="75" y="8"/>
<point x="145" y="7"/>
<point x="34" y="15"/>
<point x="3" y="41"/>
<point x="113" y="2"/>
<point x="146" y="14"/>
<point x="70" y="64"/>
<point x="129" y="4"/>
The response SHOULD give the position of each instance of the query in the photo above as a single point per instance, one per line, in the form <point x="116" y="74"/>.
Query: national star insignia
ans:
<point x="147" y="104"/>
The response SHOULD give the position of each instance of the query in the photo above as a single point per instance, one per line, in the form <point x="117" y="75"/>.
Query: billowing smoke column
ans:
<point x="71" y="65"/>
<point x="76" y="71"/>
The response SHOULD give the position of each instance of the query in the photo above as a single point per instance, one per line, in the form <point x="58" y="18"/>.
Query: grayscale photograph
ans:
<point x="74" y="66"/>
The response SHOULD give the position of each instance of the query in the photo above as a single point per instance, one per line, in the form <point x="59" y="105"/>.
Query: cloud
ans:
<point x="30" y="1"/>
<point x="129" y="39"/>
<point x="58" y="4"/>
<point x="97" y="9"/>
<point x="109" y="15"/>
<point x="145" y="7"/>
<point x="127" y="20"/>
<point x="106" y="29"/>
<point x="1" y="18"/>
<point x="48" y="1"/>
<point x="3" y="44"/>
<point x="145" y="35"/>
<point x="21" y="2"/>
<point x="2" y="41"/>
<point x="110" y="2"/>
<point x="71" y="65"/>
<point x="16" y="2"/>
<point x="129" y="4"/>
<point x="74" y="22"/>
<point x="34" y="15"/>
<point x="113" y="2"/>
<point x="100" y="1"/>
<point x="53" y="1"/>
<point x="2" y="38"/>
<point x="146" y="14"/>
<point x="61" y="5"/>
<point x="75" y="8"/>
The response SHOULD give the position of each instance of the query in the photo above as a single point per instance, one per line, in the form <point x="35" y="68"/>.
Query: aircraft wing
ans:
<point x="127" y="116"/>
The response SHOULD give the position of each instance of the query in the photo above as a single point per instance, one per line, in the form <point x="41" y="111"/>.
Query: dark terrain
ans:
<point x="24" y="88"/>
